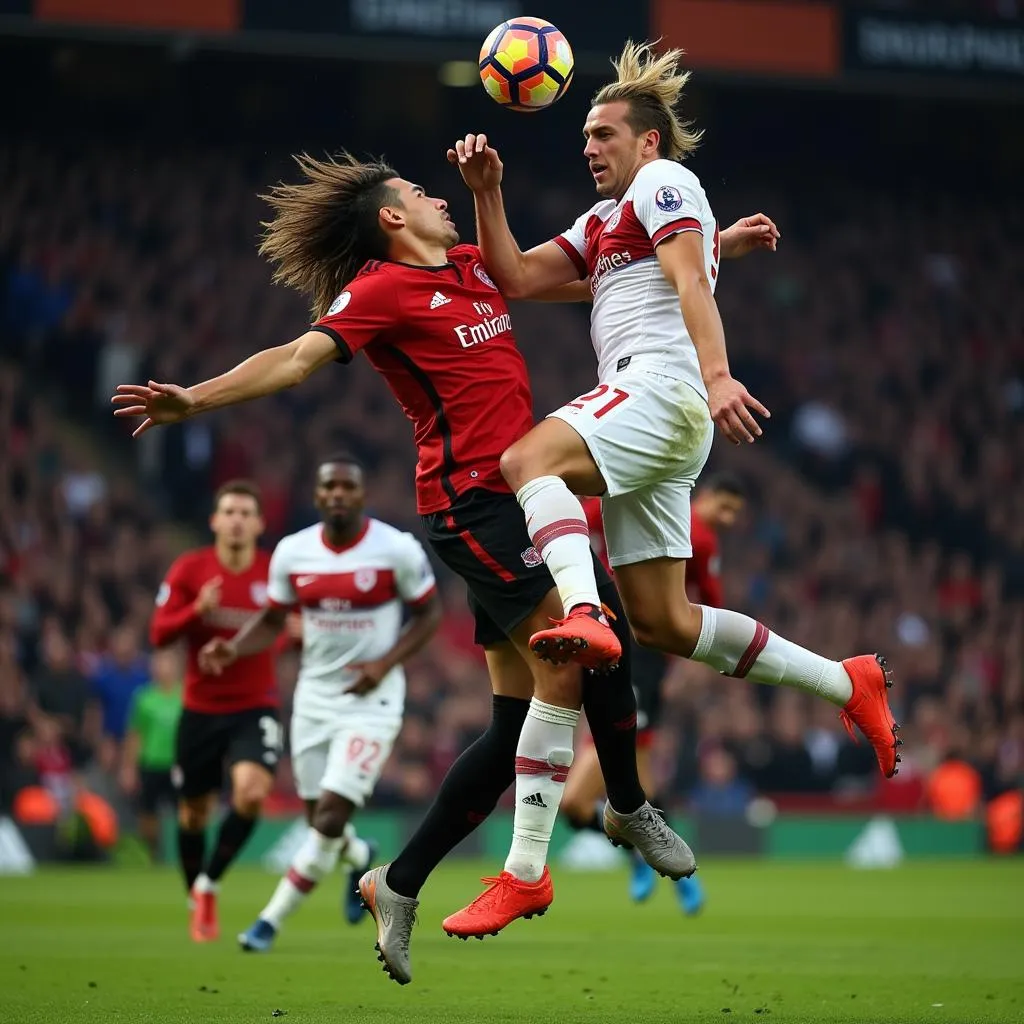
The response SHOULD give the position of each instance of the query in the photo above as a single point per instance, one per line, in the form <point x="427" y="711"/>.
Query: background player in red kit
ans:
<point x="229" y="720"/>
<point x="381" y="262"/>
<point x="716" y="506"/>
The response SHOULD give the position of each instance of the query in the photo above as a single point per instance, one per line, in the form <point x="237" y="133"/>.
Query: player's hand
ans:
<point x="479" y="164"/>
<point x="216" y="655"/>
<point x="159" y="403"/>
<point x="731" y="404"/>
<point x="370" y="675"/>
<point x="748" y="234"/>
<point x="208" y="598"/>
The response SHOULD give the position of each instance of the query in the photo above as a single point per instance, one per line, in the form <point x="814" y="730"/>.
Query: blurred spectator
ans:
<point x="62" y="701"/>
<point x="116" y="677"/>
<point x="720" y="792"/>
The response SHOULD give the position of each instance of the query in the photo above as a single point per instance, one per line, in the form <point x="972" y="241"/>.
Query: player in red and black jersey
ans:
<point x="716" y="506"/>
<point x="381" y="261"/>
<point x="230" y="721"/>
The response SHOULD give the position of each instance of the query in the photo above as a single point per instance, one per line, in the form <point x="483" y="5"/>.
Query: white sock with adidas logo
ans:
<point x="543" y="758"/>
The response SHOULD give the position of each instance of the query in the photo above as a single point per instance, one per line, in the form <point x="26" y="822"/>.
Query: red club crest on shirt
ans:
<point x="484" y="276"/>
<point x="258" y="593"/>
<point x="365" y="579"/>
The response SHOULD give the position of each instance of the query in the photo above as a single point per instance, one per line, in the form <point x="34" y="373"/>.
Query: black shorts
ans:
<point x="208" y="745"/>
<point x="483" y="539"/>
<point x="648" y="668"/>
<point x="155" y="789"/>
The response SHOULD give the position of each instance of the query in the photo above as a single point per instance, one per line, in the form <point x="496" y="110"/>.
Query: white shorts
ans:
<point x="650" y="436"/>
<point x="344" y="754"/>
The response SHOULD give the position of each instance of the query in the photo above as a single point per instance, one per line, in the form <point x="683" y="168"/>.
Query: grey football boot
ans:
<point x="395" y="915"/>
<point x="649" y="834"/>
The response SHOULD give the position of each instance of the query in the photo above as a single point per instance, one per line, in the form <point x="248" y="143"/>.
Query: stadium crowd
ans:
<point x="886" y="512"/>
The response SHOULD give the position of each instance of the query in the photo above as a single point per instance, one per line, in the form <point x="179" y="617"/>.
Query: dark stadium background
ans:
<point x="887" y="337"/>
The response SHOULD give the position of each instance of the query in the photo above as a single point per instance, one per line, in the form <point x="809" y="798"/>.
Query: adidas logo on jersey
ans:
<point x="439" y="300"/>
<point x="534" y="800"/>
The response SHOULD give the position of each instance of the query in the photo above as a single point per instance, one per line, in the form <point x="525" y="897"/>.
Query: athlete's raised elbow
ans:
<point x="515" y="287"/>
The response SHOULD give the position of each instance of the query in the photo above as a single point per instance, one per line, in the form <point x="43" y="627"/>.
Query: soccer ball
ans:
<point x="526" y="64"/>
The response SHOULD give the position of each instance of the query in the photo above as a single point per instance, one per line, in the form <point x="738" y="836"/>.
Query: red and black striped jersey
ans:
<point x="442" y="339"/>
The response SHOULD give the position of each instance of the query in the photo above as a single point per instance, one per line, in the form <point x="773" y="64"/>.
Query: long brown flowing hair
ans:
<point x="327" y="226"/>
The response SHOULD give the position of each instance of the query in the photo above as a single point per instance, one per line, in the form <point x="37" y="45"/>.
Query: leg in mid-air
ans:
<point x="739" y="646"/>
<point x="645" y="454"/>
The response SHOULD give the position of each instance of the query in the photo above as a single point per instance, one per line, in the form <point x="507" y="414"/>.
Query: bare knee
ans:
<point x="517" y="465"/>
<point x="331" y="815"/>
<point x="561" y="685"/>
<point x="250" y="787"/>
<point x="668" y="629"/>
<point x="193" y="815"/>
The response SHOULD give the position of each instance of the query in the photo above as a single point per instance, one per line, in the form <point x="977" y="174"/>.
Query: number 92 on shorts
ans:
<point x="343" y="754"/>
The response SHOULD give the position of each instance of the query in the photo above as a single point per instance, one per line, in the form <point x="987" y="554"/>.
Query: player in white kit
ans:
<point x="354" y="578"/>
<point x="648" y="255"/>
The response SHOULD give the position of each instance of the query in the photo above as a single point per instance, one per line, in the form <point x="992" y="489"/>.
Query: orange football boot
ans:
<point x="204" y="926"/>
<point x="583" y="636"/>
<point x="505" y="898"/>
<point x="869" y="709"/>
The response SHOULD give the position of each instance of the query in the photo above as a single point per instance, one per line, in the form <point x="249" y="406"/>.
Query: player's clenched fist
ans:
<point x="216" y="655"/>
<point x="208" y="598"/>
<point x="370" y="675"/>
<point x="730" y="404"/>
<point x="478" y="163"/>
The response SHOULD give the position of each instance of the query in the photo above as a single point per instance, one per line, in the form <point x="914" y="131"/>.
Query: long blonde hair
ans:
<point x="652" y="86"/>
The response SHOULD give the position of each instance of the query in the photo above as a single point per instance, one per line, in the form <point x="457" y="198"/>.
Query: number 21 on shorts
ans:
<point x="600" y="401"/>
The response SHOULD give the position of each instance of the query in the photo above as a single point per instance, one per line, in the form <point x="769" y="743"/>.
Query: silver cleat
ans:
<point x="395" y="915"/>
<point x="648" y="832"/>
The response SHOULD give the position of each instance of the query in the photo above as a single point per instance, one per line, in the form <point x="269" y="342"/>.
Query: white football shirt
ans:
<point x="352" y="604"/>
<point x="636" y="311"/>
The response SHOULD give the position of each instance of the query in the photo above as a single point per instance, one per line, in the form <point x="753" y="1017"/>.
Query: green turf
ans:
<point x="785" y="943"/>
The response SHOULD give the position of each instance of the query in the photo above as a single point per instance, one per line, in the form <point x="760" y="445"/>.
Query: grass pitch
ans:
<point x="787" y="944"/>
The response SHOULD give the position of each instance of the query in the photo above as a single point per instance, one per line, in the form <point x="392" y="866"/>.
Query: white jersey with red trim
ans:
<point x="636" y="311"/>
<point x="352" y="603"/>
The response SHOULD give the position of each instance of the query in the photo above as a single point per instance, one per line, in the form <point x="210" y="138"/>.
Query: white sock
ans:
<point x="355" y="852"/>
<point x="203" y="883"/>
<point x="558" y="528"/>
<point x="543" y="758"/>
<point x="316" y="858"/>
<point x="739" y="646"/>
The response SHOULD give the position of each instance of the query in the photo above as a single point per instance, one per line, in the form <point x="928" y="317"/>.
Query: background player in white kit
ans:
<point x="650" y="250"/>
<point x="353" y="577"/>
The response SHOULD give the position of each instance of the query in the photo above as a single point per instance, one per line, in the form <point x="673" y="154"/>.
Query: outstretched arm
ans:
<point x="266" y="372"/>
<point x="519" y="275"/>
